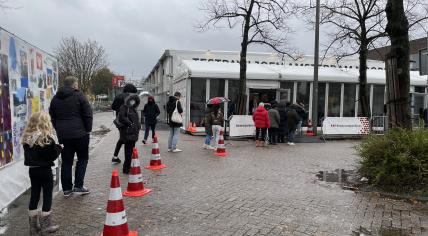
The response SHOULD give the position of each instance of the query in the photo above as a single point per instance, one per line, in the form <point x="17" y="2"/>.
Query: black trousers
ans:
<point x="80" y="147"/>
<point x="148" y="127"/>
<point x="118" y="146"/>
<point x="261" y="134"/>
<point x="273" y="135"/>
<point x="41" y="178"/>
<point x="129" y="146"/>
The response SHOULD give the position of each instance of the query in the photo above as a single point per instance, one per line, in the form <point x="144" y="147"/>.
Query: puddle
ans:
<point x="336" y="176"/>
<point x="381" y="232"/>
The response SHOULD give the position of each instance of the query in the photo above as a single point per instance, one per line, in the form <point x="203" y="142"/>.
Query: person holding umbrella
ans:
<point x="215" y="118"/>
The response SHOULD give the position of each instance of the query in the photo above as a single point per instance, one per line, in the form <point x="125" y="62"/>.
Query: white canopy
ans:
<point x="224" y="70"/>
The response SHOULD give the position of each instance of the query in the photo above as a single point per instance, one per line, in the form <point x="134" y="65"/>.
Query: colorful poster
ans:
<point x="35" y="104"/>
<point x="6" y="147"/>
<point x="24" y="63"/>
<point x="39" y="61"/>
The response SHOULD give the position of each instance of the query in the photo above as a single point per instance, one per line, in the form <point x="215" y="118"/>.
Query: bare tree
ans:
<point x="356" y="26"/>
<point x="261" y="21"/>
<point x="81" y="59"/>
<point x="398" y="66"/>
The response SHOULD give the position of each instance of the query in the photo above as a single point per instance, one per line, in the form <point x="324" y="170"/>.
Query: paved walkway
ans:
<point x="253" y="191"/>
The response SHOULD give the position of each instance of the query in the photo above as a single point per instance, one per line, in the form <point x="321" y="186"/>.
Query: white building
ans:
<point x="200" y="75"/>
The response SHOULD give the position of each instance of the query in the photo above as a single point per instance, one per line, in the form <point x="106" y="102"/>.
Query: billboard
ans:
<point x="118" y="81"/>
<point x="28" y="80"/>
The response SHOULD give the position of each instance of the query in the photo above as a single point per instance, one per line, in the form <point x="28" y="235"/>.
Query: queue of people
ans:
<point x="277" y="122"/>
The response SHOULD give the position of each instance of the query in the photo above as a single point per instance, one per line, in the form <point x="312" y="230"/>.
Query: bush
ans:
<point x="396" y="161"/>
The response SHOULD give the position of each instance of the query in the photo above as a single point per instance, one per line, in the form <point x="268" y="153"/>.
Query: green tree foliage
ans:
<point x="101" y="83"/>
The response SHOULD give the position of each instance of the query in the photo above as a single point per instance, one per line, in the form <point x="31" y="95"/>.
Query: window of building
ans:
<point x="287" y="92"/>
<point x="197" y="101"/>
<point x="303" y="92"/>
<point x="349" y="100"/>
<point x="233" y="90"/>
<point x="217" y="88"/>
<point x="321" y="103"/>
<point x="419" y="89"/>
<point x="378" y="100"/>
<point x="334" y="95"/>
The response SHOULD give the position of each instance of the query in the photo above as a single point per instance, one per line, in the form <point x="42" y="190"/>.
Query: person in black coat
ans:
<point x="128" y="117"/>
<point x="151" y="112"/>
<point x="41" y="149"/>
<point x="118" y="101"/>
<point x="172" y="104"/>
<point x="72" y="117"/>
<point x="282" y="130"/>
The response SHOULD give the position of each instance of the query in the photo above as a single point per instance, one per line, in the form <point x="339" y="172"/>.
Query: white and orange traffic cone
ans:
<point x="155" y="159"/>
<point x="116" y="223"/>
<point x="221" y="148"/>
<point x="135" y="181"/>
<point x="309" y="131"/>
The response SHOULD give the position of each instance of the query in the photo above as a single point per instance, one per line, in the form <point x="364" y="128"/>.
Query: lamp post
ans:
<point x="316" y="61"/>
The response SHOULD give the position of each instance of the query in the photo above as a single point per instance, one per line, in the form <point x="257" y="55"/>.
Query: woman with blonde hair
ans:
<point x="41" y="148"/>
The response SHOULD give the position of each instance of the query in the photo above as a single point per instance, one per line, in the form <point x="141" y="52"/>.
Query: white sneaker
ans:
<point x="169" y="150"/>
<point x="291" y="144"/>
<point x="211" y="148"/>
<point x="205" y="146"/>
<point x="176" y="150"/>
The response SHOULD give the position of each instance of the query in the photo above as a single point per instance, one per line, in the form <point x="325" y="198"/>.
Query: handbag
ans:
<point x="176" y="116"/>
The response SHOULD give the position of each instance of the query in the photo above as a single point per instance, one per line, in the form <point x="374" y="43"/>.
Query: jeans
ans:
<point x="41" y="178"/>
<point x="146" y="133"/>
<point x="173" y="137"/>
<point x="290" y="135"/>
<point x="118" y="146"/>
<point x="129" y="147"/>
<point x="216" y="134"/>
<point x="80" y="146"/>
<point x="261" y="134"/>
<point x="273" y="137"/>
<point x="207" y="139"/>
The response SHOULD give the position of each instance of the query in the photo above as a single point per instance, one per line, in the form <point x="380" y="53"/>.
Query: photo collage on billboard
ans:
<point x="29" y="79"/>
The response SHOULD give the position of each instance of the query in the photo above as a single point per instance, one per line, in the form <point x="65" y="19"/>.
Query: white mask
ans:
<point x="132" y="102"/>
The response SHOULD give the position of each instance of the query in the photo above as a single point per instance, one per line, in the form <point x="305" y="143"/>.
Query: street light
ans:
<point x="316" y="61"/>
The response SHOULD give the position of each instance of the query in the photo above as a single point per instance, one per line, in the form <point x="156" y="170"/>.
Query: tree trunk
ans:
<point x="364" y="93"/>
<point x="398" y="66"/>
<point x="242" y="96"/>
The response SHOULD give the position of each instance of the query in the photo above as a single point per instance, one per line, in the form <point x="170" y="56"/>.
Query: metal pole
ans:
<point x="316" y="61"/>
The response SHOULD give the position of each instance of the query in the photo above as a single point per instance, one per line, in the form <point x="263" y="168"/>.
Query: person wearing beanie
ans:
<point x="262" y="123"/>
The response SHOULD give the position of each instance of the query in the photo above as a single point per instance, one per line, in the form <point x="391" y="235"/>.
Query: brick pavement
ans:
<point x="254" y="191"/>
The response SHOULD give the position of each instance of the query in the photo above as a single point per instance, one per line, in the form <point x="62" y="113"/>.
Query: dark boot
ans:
<point x="46" y="223"/>
<point x="33" y="218"/>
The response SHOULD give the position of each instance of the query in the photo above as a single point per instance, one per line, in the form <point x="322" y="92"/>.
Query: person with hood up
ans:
<point x="71" y="117"/>
<point x="118" y="101"/>
<point x="262" y="123"/>
<point x="293" y="120"/>
<point x="174" y="105"/>
<point x="282" y="130"/>
<point x="128" y="117"/>
<point x="274" y="120"/>
<point x="215" y="121"/>
<point x="41" y="149"/>
<point x="151" y="112"/>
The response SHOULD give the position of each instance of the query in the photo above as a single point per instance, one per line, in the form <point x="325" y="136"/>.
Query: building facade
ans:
<point x="201" y="75"/>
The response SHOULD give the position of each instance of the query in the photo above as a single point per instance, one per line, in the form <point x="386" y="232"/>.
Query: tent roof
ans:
<point x="221" y="70"/>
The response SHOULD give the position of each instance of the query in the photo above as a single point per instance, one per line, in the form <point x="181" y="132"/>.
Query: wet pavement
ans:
<point x="254" y="191"/>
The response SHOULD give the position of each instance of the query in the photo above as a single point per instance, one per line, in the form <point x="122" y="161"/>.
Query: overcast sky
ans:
<point x="134" y="32"/>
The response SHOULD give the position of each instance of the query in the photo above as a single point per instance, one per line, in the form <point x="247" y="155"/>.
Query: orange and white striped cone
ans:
<point x="116" y="223"/>
<point x="135" y="181"/>
<point x="221" y="148"/>
<point x="155" y="159"/>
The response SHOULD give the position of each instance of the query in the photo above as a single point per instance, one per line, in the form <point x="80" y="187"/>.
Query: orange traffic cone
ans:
<point x="309" y="131"/>
<point x="116" y="223"/>
<point x="221" y="148"/>
<point x="135" y="182"/>
<point x="189" y="127"/>
<point x="155" y="159"/>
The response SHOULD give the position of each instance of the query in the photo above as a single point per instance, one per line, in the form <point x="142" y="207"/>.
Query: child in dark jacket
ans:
<point x="41" y="149"/>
